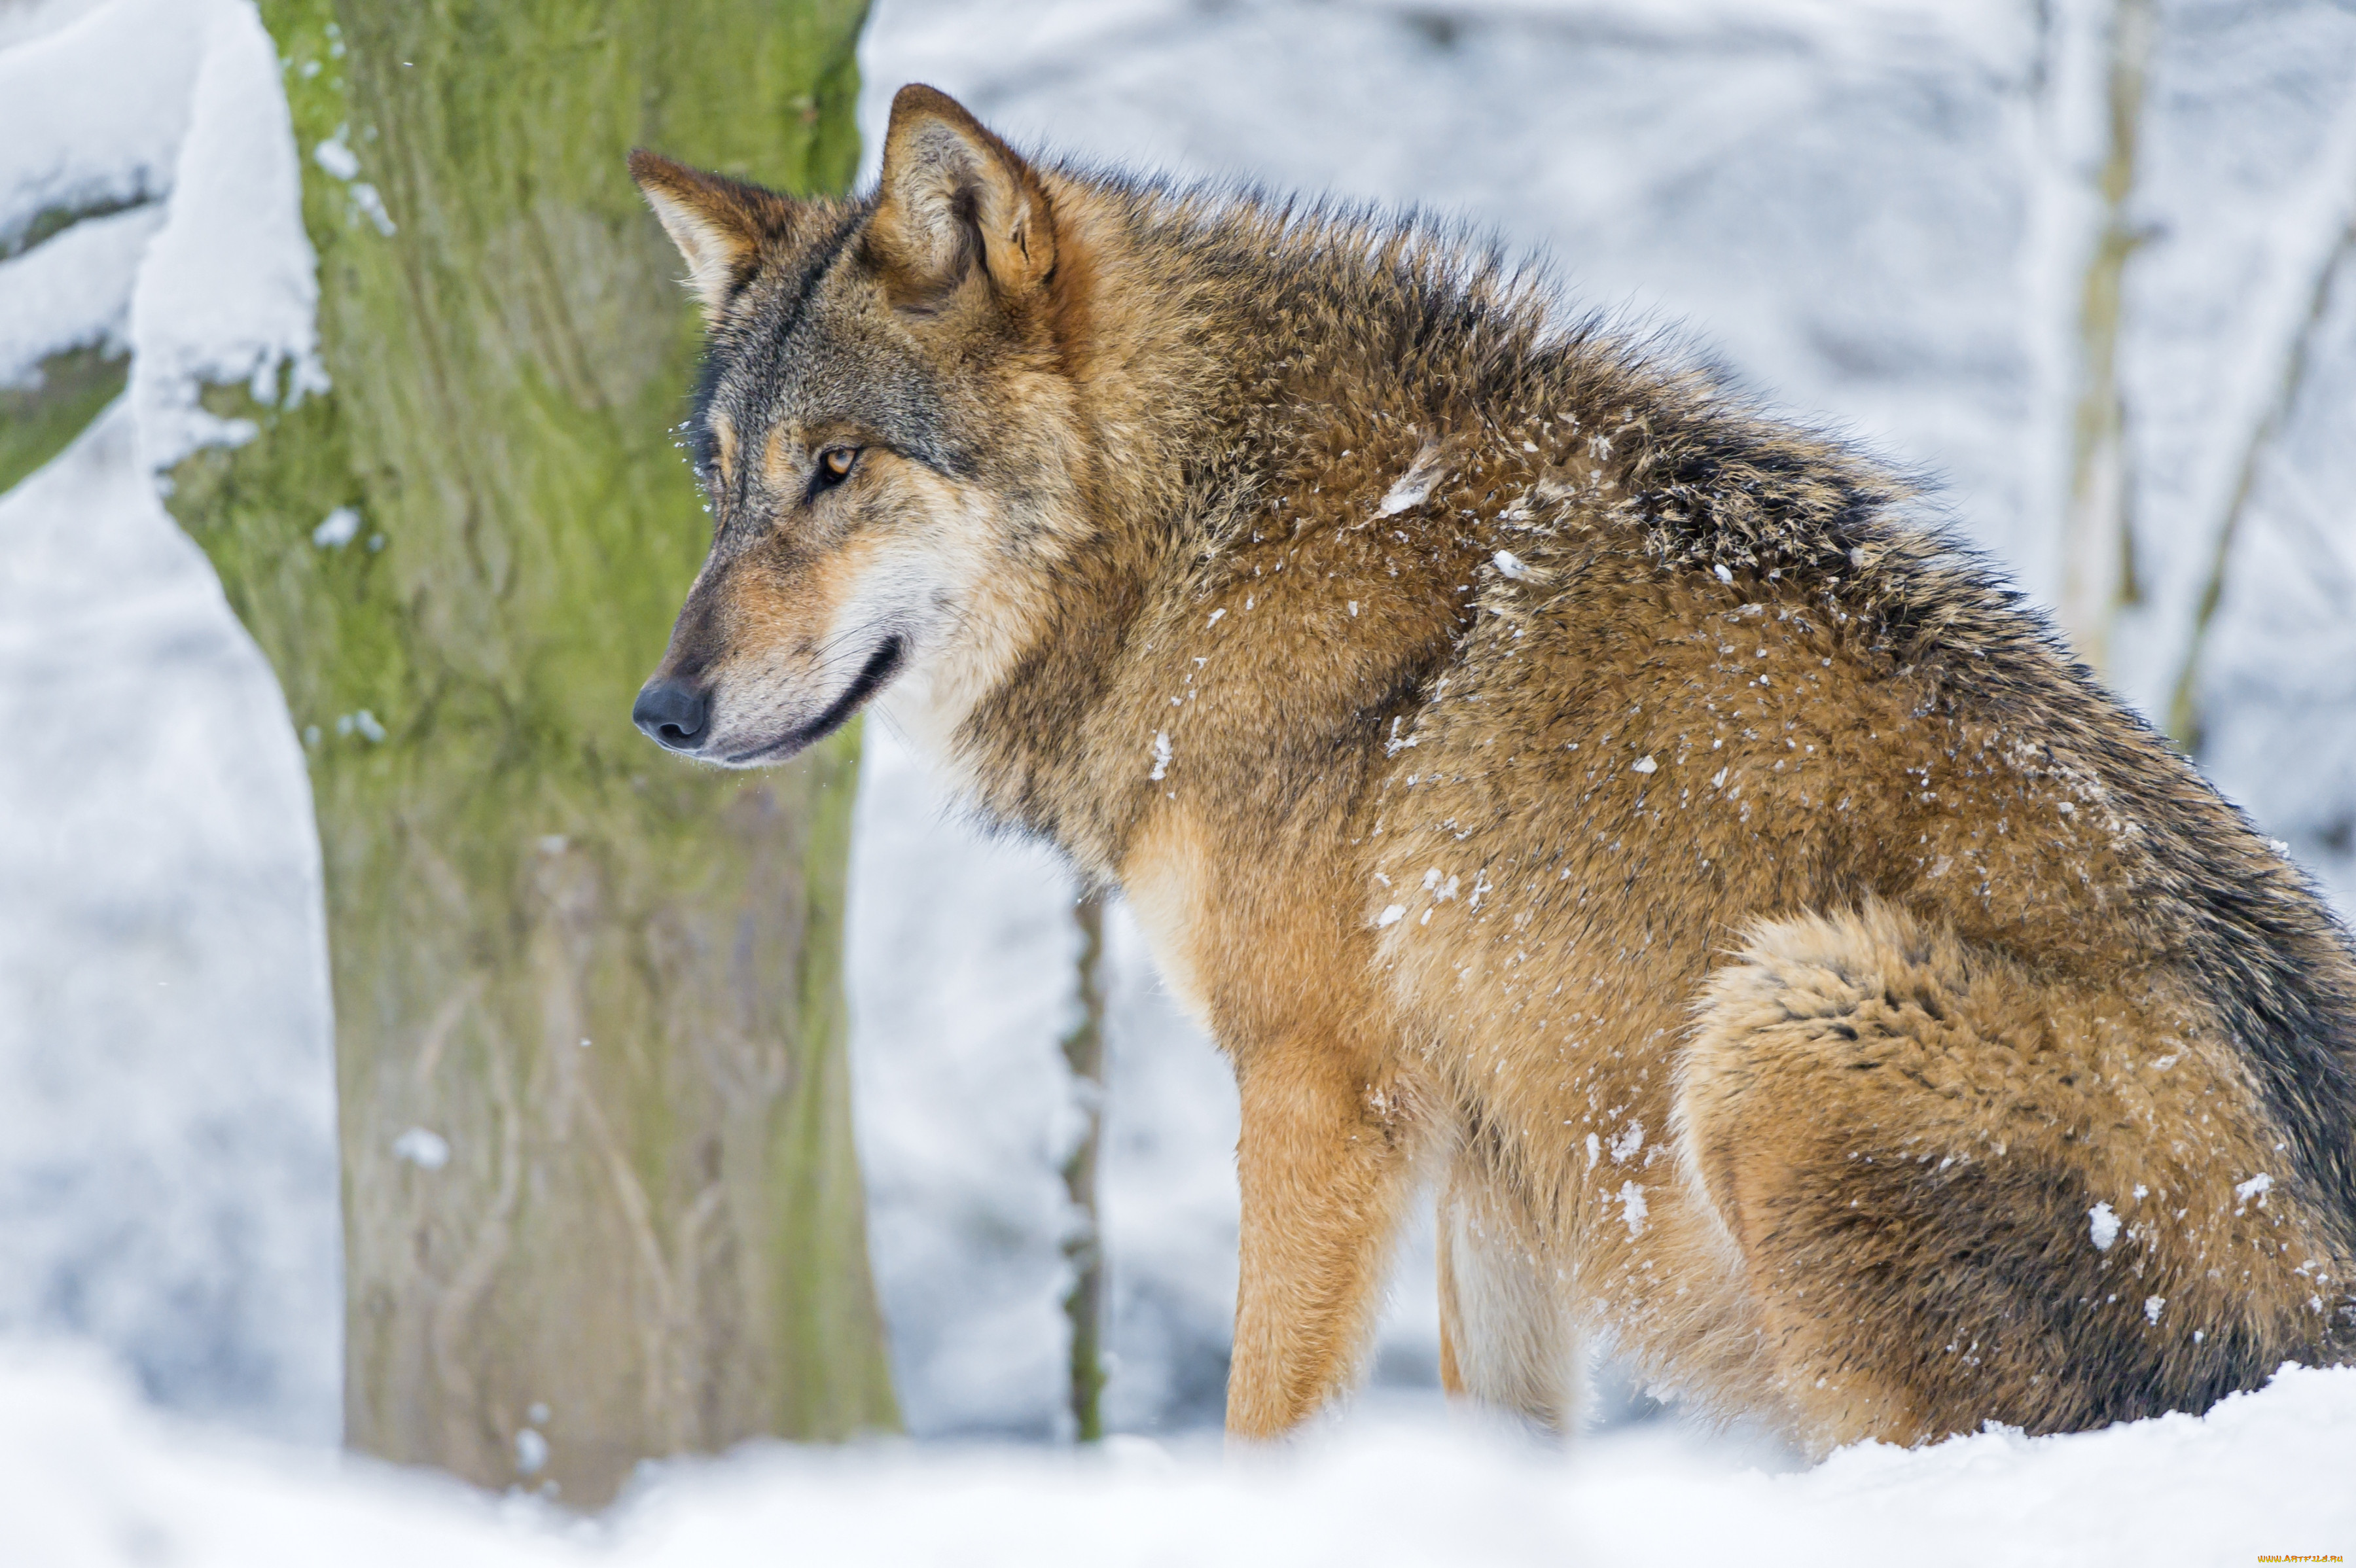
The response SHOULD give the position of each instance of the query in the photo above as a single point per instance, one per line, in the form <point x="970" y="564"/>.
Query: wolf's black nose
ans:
<point x="671" y="712"/>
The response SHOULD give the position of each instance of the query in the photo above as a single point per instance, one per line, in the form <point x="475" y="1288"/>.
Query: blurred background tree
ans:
<point x="601" y="1201"/>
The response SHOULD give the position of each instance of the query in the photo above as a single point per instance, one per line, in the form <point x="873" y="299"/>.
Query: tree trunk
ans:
<point x="1084" y="1304"/>
<point x="600" y="1196"/>
<point x="2098" y="574"/>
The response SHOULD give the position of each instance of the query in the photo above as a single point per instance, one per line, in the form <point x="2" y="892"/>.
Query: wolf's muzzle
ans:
<point x="672" y="712"/>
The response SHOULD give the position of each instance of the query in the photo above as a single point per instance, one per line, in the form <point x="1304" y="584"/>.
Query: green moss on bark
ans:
<point x="37" y="422"/>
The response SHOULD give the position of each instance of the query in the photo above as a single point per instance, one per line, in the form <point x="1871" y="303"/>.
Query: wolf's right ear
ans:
<point x="954" y="195"/>
<point x="717" y="223"/>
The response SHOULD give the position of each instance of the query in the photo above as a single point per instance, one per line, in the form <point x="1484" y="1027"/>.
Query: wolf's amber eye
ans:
<point x="834" y="464"/>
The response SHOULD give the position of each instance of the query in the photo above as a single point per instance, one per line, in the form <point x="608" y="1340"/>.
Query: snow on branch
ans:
<point x="72" y="149"/>
<point x="72" y="292"/>
<point x="228" y="292"/>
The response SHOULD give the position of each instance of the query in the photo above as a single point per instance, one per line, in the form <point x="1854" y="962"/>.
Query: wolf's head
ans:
<point x="885" y="433"/>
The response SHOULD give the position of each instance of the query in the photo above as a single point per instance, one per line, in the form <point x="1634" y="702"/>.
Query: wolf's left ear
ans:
<point x="954" y="195"/>
<point x="717" y="223"/>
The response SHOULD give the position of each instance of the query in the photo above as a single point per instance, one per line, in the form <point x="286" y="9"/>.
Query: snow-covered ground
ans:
<point x="1872" y="209"/>
<point x="90" y="1477"/>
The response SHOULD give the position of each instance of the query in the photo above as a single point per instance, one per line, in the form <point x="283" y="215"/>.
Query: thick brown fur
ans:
<point x="1545" y="775"/>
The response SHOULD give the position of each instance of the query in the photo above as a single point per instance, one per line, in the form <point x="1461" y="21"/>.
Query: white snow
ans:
<point x="1413" y="488"/>
<point x="167" y="1171"/>
<point x="421" y="1147"/>
<point x="73" y="292"/>
<point x="335" y="155"/>
<point x="361" y="723"/>
<point x="228" y="291"/>
<point x="1632" y="1206"/>
<point x="1160" y="754"/>
<point x="2257" y="1186"/>
<point x="2102" y="1223"/>
<point x="1506" y="561"/>
<point x="24" y="21"/>
<point x="337" y="158"/>
<point x="338" y="529"/>
<point x="167" y="1163"/>
<point x="94" y="112"/>
<point x="94" y="1479"/>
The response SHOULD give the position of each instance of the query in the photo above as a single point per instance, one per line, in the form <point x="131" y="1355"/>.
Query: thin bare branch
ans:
<point x="2183" y="709"/>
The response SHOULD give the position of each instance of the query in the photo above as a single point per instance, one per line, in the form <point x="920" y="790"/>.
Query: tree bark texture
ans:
<point x="601" y="1201"/>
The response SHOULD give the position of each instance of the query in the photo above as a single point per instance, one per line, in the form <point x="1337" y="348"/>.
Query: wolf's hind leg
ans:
<point x="1506" y="1335"/>
<point x="1961" y="1190"/>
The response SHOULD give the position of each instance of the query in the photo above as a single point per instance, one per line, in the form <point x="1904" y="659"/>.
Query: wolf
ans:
<point x="1545" y="775"/>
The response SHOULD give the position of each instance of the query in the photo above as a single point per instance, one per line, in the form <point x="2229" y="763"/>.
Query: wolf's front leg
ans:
<point x="1327" y="1162"/>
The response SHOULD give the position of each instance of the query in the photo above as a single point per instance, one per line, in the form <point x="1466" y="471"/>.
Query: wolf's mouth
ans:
<point x="882" y="665"/>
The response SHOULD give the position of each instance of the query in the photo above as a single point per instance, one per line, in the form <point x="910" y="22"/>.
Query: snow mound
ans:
<point x="95" y="1477"/>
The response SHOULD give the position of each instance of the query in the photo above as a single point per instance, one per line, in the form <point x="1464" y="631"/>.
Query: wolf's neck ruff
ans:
<point x="1540" y="770"/>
